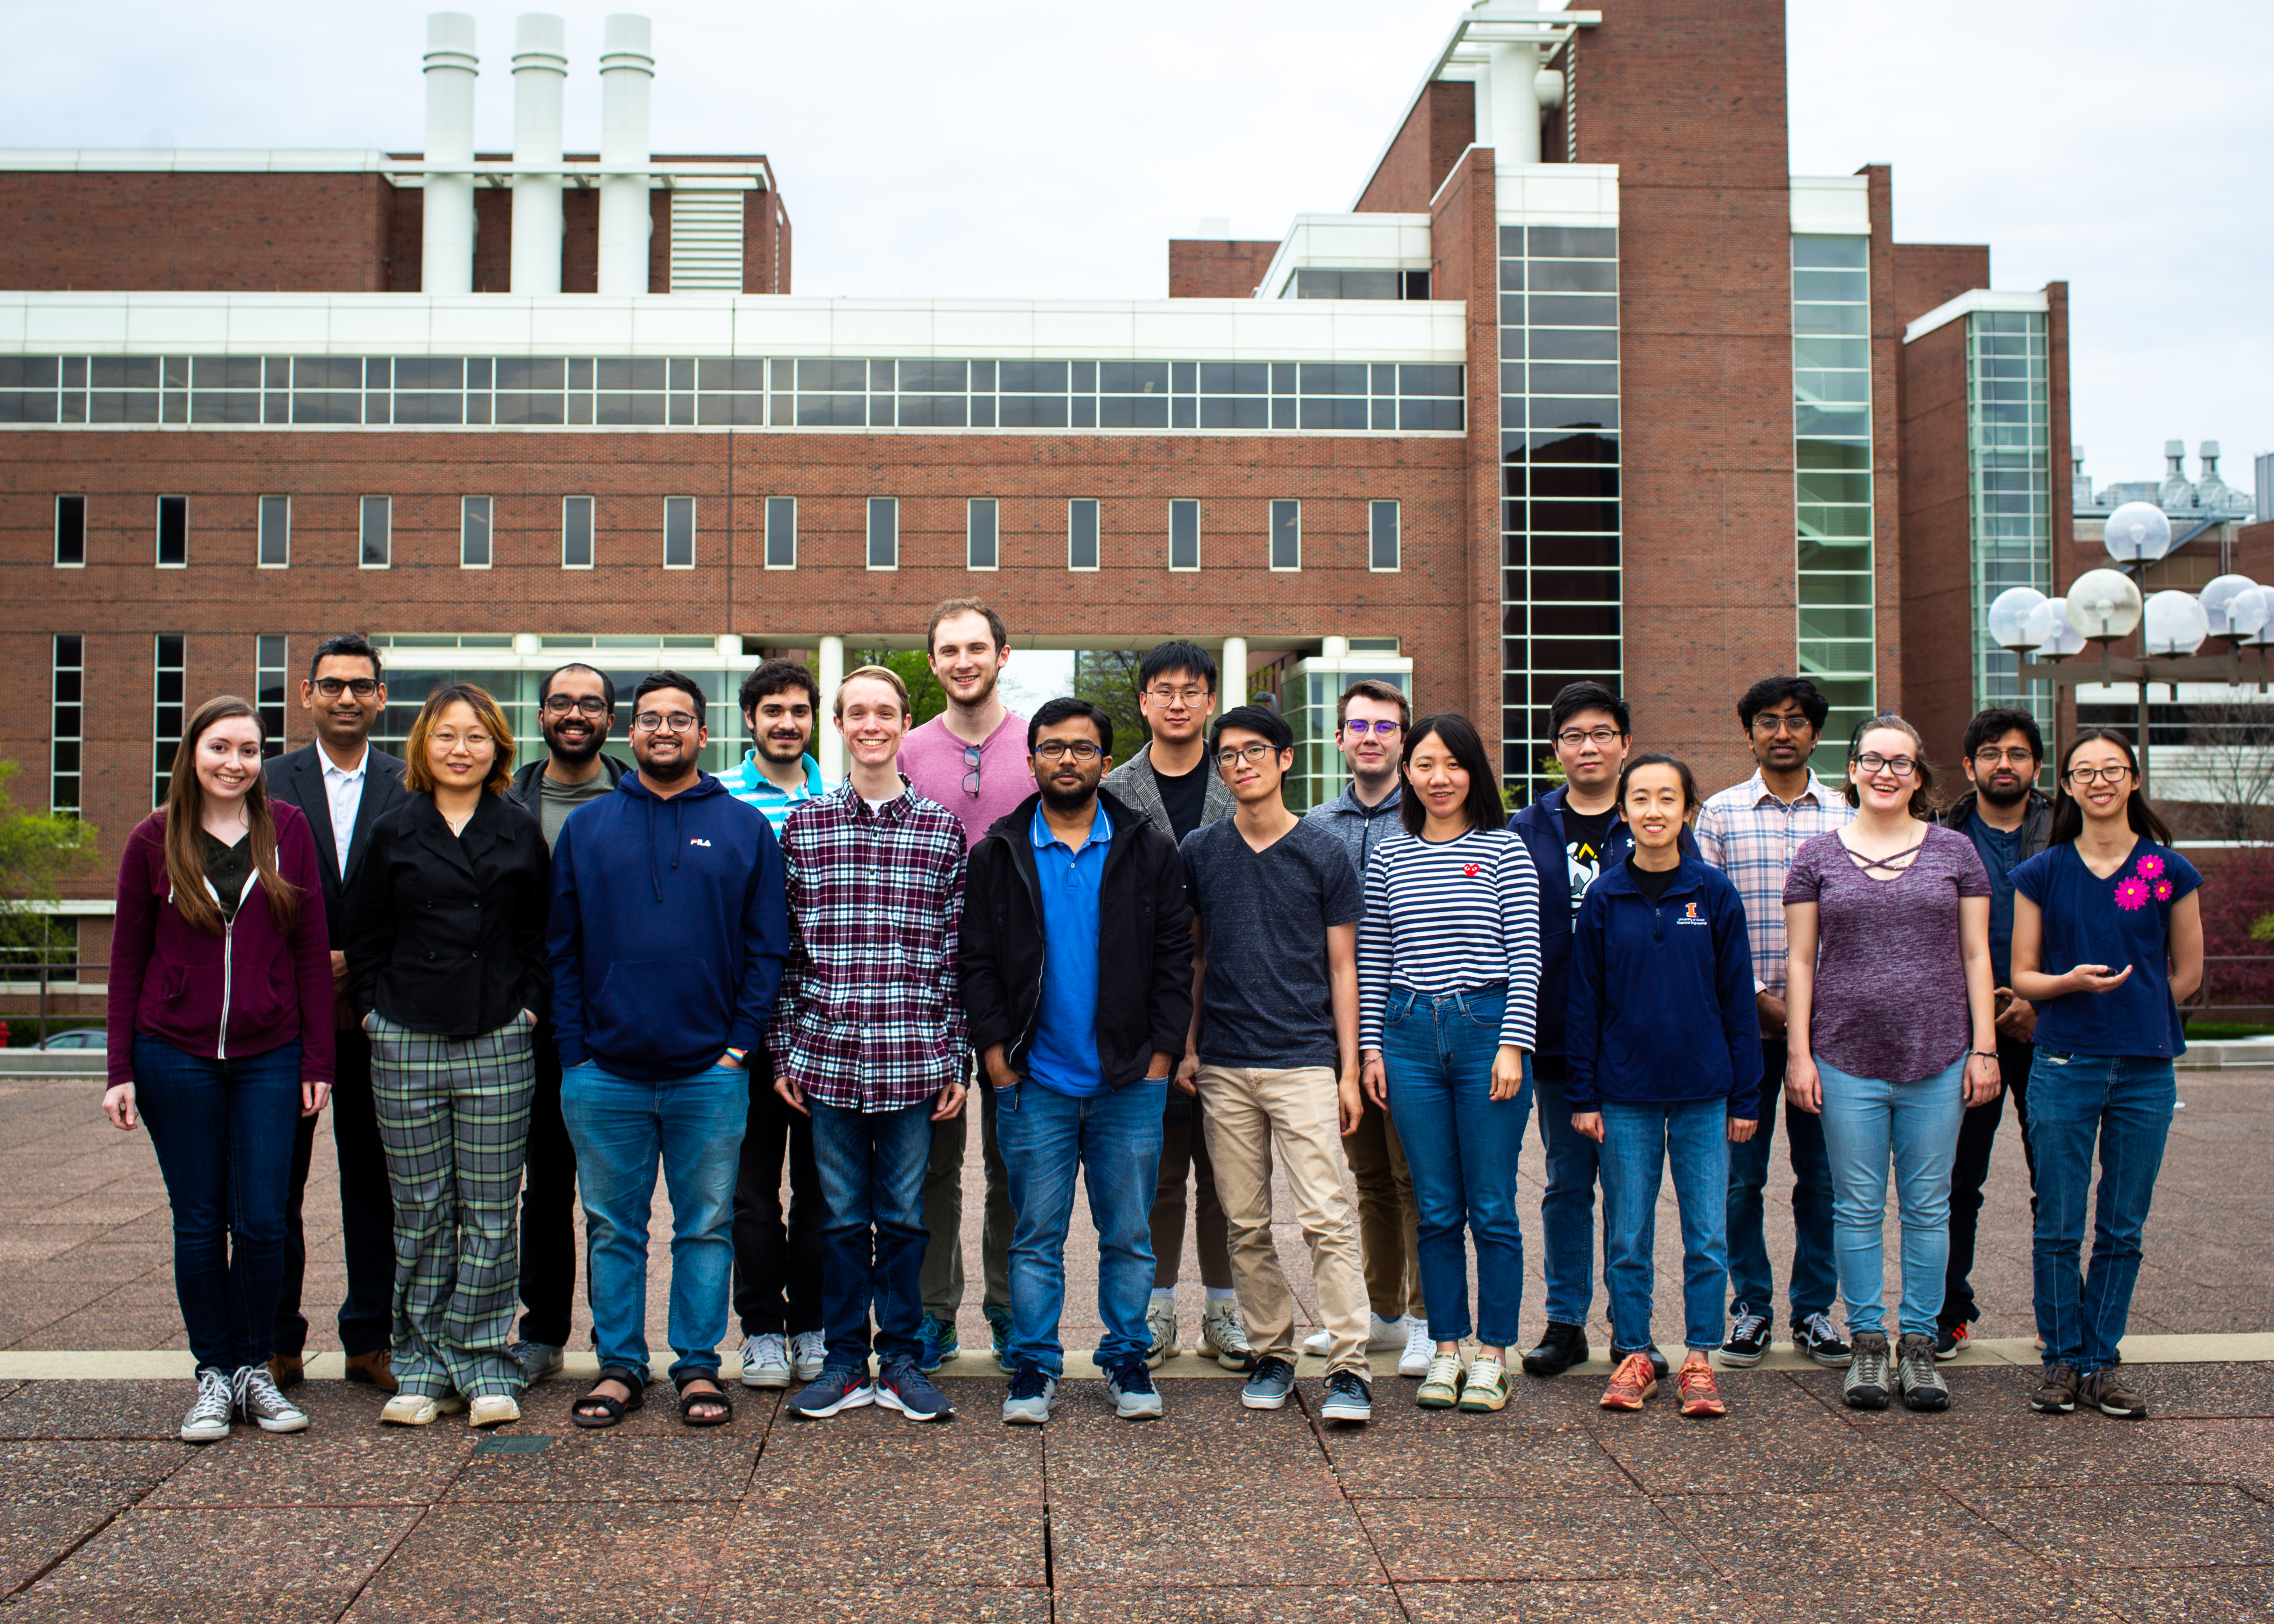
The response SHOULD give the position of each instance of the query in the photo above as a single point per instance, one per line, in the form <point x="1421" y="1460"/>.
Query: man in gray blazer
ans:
<point x="343" y="785"/>
<point x="1171" y="781"/>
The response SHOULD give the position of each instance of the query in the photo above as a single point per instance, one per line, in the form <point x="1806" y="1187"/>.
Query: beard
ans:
<point x="1061" y="799"/>
<point x="986" y="689"/>
<point x="574" y="749"/>
<point x="779" y="749"/>
<point x="1989" y="791"/>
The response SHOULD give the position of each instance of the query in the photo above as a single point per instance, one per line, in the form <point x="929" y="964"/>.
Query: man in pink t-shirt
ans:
<point x="971" y="759"/>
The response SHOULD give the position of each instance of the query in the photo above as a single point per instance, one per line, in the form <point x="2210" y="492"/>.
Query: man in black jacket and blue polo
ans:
<point x="1077" y="986"/>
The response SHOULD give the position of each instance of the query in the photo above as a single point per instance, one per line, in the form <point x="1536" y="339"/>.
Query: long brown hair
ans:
<point x="2069" y="817"/>
<point x="185" y="811"/>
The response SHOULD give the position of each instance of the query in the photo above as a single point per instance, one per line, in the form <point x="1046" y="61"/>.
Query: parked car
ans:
<point x="80" y="1037"/>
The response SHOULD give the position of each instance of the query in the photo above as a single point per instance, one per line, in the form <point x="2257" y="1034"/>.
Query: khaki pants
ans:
<point x="1389" y="1225"/>
<point x="1251" y="1112"/>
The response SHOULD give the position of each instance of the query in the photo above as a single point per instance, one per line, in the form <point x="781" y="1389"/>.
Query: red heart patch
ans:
<point x="1472" y="869"/>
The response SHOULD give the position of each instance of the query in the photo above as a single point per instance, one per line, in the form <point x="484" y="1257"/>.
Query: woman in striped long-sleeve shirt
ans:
<point x="1448" y="972"/>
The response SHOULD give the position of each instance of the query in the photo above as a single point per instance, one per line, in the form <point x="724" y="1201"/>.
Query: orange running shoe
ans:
<point x="1699" y="1395"/>
<point x="1631" y="1384"/>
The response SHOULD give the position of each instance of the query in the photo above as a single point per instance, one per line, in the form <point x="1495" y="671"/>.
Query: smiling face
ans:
<point x="575" y="718"/>
<point x="781" y="724"/>
<point x="1176" y="705"/>
<point x="869" y="717"/>
<point x="1370" y="751"/>
<point x="228" y="759"/>
<point x="1887" y="786"/>
<point x="664" y="752"/>
<point x="1434" y="774"/>
<point x="2103" y="794"/>
<point x="965" y="659"/>
<point x="1655" y="806"/>
<point x="1254" y="769"/>
<point x="460" y="752"/>
<point x="343" y="717"/>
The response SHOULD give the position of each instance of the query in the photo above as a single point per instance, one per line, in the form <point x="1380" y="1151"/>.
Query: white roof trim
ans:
<point x="1831" y="205"/>
<point x="1967" y="304"/>
<point x="349" y="160"/>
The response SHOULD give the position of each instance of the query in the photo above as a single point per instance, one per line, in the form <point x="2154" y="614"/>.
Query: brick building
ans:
<point x="1585" y="383"/>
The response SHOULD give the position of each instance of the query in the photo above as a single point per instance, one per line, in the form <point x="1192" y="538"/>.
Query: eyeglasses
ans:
<point x="1873" y="765"/>
<point x="450" y="741"/>
<point x="972" y="760"/>
<point x="1571" y="738"/>
<point x="1059" y="750"/>
<point x="332" y="687"/>
<point x="1187" y="697"/>
<point x="1763" y="722"/>
<point x="591" y="705"/>
<point x="2098" y="775"/>
<point x="1249" y="753"/>
<point x="2021" y="757"/>
<point x="1357" y="726"/>
<point x="655" y="721"/>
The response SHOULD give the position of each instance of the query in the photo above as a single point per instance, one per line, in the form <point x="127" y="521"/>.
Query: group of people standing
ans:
<point x="519" y="991"/>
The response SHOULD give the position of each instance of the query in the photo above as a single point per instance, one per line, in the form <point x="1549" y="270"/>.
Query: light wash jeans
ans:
<point x="2126" y="1103"/>
<point x="1865" y="1121"/>
<point x="1639" y="1141"/>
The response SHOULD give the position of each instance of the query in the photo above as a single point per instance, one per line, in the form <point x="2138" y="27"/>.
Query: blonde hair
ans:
<point x="418" y="771"/>
<point x="880" y="673"/>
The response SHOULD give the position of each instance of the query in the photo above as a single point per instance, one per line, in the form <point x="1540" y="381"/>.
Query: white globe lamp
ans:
<point x="2228" y="602"/>
<point x="2175" y="623"/>
<point x="2056" y="639"/>
<point x="2103" y="604"/>
<point x="2009" y="618"/>
<point x="2138" y="533"/>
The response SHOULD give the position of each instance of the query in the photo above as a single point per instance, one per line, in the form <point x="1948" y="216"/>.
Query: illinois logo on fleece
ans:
<point x="1689" y="916"/>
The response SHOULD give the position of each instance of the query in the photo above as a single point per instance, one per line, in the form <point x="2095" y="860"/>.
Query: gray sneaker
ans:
<point x="1866" y="1386"/>
<point x="208" y="1419"/>
<point x="1223" y="1338"/>
<point x="1028" y="1401"/>
<point x="261" y="1402"/>
<point x="1269" y="1387"/>
<point x="808" y="1354"/>
<point x="1923" y="1388"/>
<point x="1130" y="1387"/>
<point x="537" y="1360"/>
<point x="765" y="1361"/>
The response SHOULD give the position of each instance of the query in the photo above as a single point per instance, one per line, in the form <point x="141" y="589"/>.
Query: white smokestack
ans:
<point x="1515" y="105"/>
<point x="540" y="73"/>
<point x="446" y="260"/>
<point x="626" y="65"/>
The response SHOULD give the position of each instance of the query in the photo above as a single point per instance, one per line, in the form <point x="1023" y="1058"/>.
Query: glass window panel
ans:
<point x="679" y="532"/>
<point x="1235" y="378"/>
<point x="241" y="407"/>
<point x="1382" y="535"/>
<point x="1574" y="551"/>
<point x="1822" y="351"/>
<point x="1573" y="310"/>
<point x="1035" y="411"/>
<point x="531" y="373"/>
<point x="430" y="408"/>
<point x="576" y="532"/>
<point x="981" y="539"/>
<point x="1286" y="535"/>
<point x="173" y="529"/>
<point x="1133" y="377"/>
<point x="124" y="406"/>
<point x="71" y="529"/>
<point x="276" y="534"/>
<point x="474" y="532"/>
<point x="1082" y="534"/>
<point x="630" y="372"/>
<point x="1851" y="252"/>
<point x="884" y="533"/>
<point x="1081" y="412"/>
<point x="1032" y="376"/>
<point x="1574" y="242"/>
<point x="29" y="372"/>
<point x="376" y="532"/>
<point x="531" y="408"/>
<point x="1570" y="378"/>
<point x="1332" y="378"/>
<point x="1575" y="276"/>
<point x="225" y="373"/>
<point x="1575" y="585"/>
<point x="326" y="408"/>
<point x="327" y="373"/>
<point x="124" y="373"/>
<point x="683" y="373"/>
<point x="1834" y="320"/>
<point x="1832" y="286"/>
<point x="781" y="532"/>
<point x="580" y="373"/>
<point x="1184" y="534"/>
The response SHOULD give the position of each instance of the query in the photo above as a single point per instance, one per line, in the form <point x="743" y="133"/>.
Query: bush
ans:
<point x="2238" y="914"/>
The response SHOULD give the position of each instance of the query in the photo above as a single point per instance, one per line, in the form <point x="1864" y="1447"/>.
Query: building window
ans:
<point x="1286" y="535"/>
<point x="2010" y="488"/>
<point x="474" y="532"/>
<point x="378" y="531"/>
<point x="781" y="532"/>
<point x="276" y="542"/>
<point x="984" y="538"/>
<point x="269" y="686"/>
<point x="173" y="532"/>
<point x="70" y="531"/>
<point x="679" y="532"/>
<point x="67" y="724"/>
<point x="884" y="533"/>
<point x="1381" y="536"/>
<point x="1184" y="534"/>
<point x="165" y="714"/>
<point x="1831" y="462"/>
<point x="576" y="532"/>
<point x="1081" y="533"/>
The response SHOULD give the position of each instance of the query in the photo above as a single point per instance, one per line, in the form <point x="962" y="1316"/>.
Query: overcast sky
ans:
<point x="1020" y="148"/>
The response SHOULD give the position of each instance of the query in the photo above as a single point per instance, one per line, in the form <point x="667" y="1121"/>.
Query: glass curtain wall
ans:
<point x="1832" y="458"/>
<point x="2009" y="451"/>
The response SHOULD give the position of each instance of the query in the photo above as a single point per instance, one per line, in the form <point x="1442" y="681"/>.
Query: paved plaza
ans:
<point x="1791" y="1508"/>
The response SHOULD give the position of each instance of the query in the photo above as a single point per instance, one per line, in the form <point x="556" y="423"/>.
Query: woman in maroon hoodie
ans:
<point x="220" y="1036"/>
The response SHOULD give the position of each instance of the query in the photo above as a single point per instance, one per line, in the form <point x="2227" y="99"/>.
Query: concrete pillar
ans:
<point x="829" y="749"/>
<point x="540" y="74"/>
<point x="1232" y="683"/>
<point x="1515" y="105"/>
<point x="447" y="257"/>
<point x="626" y="67"/>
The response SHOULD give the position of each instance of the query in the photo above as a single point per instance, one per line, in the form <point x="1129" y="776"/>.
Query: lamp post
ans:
<point x="2104" y="606"/>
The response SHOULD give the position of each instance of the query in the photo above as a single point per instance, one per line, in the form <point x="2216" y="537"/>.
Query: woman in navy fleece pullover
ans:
<point x="1665" y="1052"/>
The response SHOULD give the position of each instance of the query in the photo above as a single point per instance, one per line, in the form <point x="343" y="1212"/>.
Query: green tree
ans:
<point x="37" y="849"/>
<point x="1107" y="678"/>
<point x="926" y="698"/>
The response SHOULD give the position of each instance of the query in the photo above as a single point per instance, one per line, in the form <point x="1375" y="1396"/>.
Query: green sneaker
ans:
<point x="1441" y="1383"/>
<point x="936" y="1343"/>
<point x="999" y="1327"/>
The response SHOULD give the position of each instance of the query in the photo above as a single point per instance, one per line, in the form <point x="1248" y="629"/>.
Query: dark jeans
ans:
<point x="548" y="1207"/>
<point x="943" y="1210"/>
<point x="1978" y="1136"/>
<point x="872" y="1237"/>
<point x="223" y="1131"/>
<point x="1184" y="1147"/>
<point x="776" y="1266"/>
<point x="367" y="1212"/>
<point x="1567" y="1212"/>
<point x="1814" y="1278"/>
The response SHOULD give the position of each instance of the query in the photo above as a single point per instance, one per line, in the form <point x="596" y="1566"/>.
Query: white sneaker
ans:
<point x="1387" y="1336"/>
<point x="420" y="1409"/>
<point x="493" y="1410"/>
<point x="1319" y="1344"/>
<point x="264" y="1403"/>
<point x="1223" y="1338"/>
<point x="765" y="1361"/>
<point x="1161" y="1324"/>
<point x="808" y="1354"/>
<point x="208" y="1419"/>
<point x="1419" y="1350"/>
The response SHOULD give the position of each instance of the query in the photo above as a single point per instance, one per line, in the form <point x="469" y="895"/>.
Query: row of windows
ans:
<point x="476" y="515"/>
<point x="1832" y="488"/>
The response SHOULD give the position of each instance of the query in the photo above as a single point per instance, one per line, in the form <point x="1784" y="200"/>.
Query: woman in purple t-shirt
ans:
<point x="1888" y="1016"/>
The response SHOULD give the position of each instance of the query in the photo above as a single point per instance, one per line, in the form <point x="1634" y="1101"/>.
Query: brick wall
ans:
<point x="1209" y="268"/>
<point x="1937" y="600"/>
<point x="1464" y="235"/>
<point x="232" y="233"/>
<point x="1886" y="448"/>
<point x="1929" y="274"/>
<point x="1441" y="125"/>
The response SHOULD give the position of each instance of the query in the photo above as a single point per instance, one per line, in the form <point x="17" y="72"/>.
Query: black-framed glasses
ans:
<point x="1874" y="764"/>
<point x="2021" y="756"/>
<point x="972" y="760"/>
<point x="1763" y="722"/>
<point x="332" y="687"/>
<point x="1572" y="738"/>
<point x="1188" y="696"/>
<point x="1083" y="750"/>
<point x="590" y="705"/>
<point x="1250" y="753"/>
<point x="2098" y="775"/>
<point x="656" y="721"/>
<point x="1357" y="726"/>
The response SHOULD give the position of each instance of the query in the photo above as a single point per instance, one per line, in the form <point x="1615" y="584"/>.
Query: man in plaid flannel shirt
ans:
<point x="869" y="1039"/>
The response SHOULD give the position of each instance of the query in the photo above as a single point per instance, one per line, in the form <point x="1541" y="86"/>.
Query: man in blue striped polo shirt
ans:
<point x="777" y="1266"/>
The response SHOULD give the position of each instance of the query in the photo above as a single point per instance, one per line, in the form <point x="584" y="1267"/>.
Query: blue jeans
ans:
<point x="1639" y="1142"/>
<point x="1115" y="1138"/>
<point x="872" y="1231"/>
<point x="621" y="1128"/>
<point x="223" y="1131"/>
<point x="1567" y="1212"/>
<point x="1866" y="1120"/>
<point x="2126" y="1104"/>
<point x="1462" y="1146"/>
<point x="1813" y="1280"/>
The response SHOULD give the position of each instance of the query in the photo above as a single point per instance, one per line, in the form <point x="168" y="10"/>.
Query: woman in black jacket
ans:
<point x="445" y="961"/>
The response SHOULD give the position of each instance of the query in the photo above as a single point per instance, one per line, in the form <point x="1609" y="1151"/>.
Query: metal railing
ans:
<point x="17" y="974"/>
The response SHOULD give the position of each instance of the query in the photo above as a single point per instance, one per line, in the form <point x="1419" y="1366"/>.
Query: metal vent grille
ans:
<point x="706" y="242"/>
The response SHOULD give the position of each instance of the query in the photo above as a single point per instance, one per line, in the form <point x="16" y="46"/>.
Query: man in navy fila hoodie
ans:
<point x="667" y="937"/>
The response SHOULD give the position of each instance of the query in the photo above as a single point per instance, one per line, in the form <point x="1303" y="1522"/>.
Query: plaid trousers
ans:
<point x="454" y="1117"/>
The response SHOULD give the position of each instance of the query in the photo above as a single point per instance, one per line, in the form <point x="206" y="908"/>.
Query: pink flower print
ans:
<point x="2149" y="866"/>
<point x="2163" y="890"/>
<point x="2131" y="893"/>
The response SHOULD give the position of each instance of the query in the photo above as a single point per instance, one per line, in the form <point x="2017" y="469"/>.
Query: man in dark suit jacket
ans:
<point x="343" y="785"/>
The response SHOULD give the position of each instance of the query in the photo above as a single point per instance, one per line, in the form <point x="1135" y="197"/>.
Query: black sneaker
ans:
<point x="2056" y="1394"/>
<point x="1815" y="1337"/>
<point x="1348" y="1398"/>
<point x="1269" y="1387"/>
<point x="1749" y="1338"/>
<point x="1561" y="1347"/>
<point x="1659" y="1367"/>
<point x="1950" y="1341"/>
